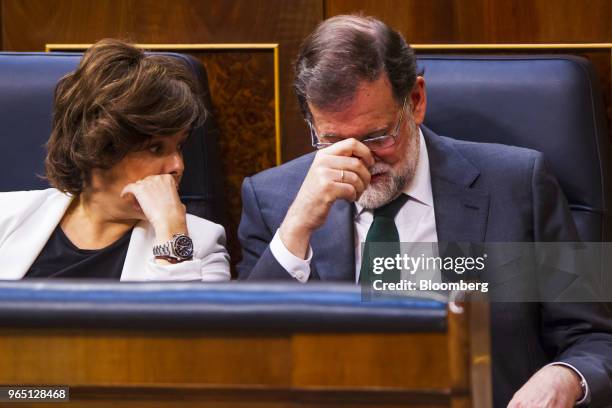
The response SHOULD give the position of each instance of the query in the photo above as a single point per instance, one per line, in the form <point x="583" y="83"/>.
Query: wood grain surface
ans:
<point x="136" y="368"/>
<point x="30" y="24"/>
<point x="488" y="21"/>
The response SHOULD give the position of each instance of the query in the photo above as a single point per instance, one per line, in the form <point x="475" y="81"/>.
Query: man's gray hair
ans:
<point x="344" y="51"/>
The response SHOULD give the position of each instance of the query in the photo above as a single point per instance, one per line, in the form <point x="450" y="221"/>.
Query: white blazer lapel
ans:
<point x="139" y="252"/>
<point x="21" y="247"/>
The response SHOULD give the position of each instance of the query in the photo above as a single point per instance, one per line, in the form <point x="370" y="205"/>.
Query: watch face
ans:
<point x="183" y="247"/>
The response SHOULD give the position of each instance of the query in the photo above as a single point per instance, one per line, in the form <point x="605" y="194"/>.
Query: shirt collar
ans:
<point x="419" y="188"/>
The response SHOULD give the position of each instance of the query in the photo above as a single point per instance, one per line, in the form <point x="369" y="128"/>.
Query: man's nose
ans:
<point x="377" y="159"/>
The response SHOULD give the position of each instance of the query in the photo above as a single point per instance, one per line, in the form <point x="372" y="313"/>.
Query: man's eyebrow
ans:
<point x="379" y="132"/>
<point x="373" y="133"/>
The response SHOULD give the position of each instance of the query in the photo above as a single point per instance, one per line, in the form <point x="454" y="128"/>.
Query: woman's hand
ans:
<point x="159" y="201"/>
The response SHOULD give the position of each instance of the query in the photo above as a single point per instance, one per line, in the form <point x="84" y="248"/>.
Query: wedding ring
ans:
<point x="342" y="176"/>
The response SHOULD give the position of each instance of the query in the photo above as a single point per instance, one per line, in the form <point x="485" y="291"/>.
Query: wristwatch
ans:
<point x="178" y="249"/>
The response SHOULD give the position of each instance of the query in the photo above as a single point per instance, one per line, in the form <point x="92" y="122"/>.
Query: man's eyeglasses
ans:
<point x="373" y="143"/>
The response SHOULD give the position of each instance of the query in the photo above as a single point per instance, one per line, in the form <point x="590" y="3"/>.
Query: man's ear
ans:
<point x="418" y="100"/>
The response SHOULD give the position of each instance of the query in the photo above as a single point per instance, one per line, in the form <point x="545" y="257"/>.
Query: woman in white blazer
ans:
<point x="115" y="161"/>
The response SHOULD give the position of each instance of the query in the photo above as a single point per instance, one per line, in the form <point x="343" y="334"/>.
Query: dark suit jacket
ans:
<point x="482" y="193"/>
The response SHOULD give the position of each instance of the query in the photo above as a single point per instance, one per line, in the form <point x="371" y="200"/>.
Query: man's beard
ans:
<point x="391" y="184"/>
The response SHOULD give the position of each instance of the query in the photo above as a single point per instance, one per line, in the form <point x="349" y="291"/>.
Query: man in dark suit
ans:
<point x="357" y="85"/>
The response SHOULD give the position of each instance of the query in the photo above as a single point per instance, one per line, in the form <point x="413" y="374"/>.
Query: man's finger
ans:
<point x="351" y="147"/>
<point x="345" y="191"/>
<point x="352" y="164"/>
<point x="339" y="176"/>
<point x="349" y="177"/>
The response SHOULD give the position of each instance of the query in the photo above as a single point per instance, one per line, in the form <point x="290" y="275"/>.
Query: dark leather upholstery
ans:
<point x="548" y="103"/>
<point x="27" y="82"/>
<point x="228" y="306"/>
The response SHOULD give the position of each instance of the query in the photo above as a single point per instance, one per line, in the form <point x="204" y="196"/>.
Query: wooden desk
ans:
<point x="247" y="368"/>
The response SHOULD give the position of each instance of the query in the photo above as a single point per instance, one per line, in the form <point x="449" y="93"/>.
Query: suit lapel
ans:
<point x="22" y="247"/>
<point x="461" y="215"/>
<point x="461" y="210"/>
<point x="334" y="245"/>
<point x="138" y="253"/>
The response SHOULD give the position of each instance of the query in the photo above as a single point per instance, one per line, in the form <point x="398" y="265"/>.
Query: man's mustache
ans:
<point x="378" y="168"/>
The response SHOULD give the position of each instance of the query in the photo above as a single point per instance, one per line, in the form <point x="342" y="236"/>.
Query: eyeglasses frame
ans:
<point x="369" y="141"/>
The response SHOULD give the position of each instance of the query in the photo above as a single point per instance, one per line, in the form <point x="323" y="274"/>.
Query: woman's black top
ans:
<point x="60" y="258"/>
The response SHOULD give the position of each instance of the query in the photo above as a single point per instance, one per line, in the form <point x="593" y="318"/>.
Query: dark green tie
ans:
<point x="383" y="229"/>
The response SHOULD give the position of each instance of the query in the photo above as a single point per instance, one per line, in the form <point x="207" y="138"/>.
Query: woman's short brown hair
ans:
<point x="116" y="100"/>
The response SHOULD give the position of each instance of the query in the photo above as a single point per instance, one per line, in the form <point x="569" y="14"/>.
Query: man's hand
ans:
<point x="339" y="171"/>
<point x="554" y="386"/>
<point x="160" y="204"/>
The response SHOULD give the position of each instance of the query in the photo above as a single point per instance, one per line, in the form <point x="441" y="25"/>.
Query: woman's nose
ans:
<point x="175" y="164"/>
